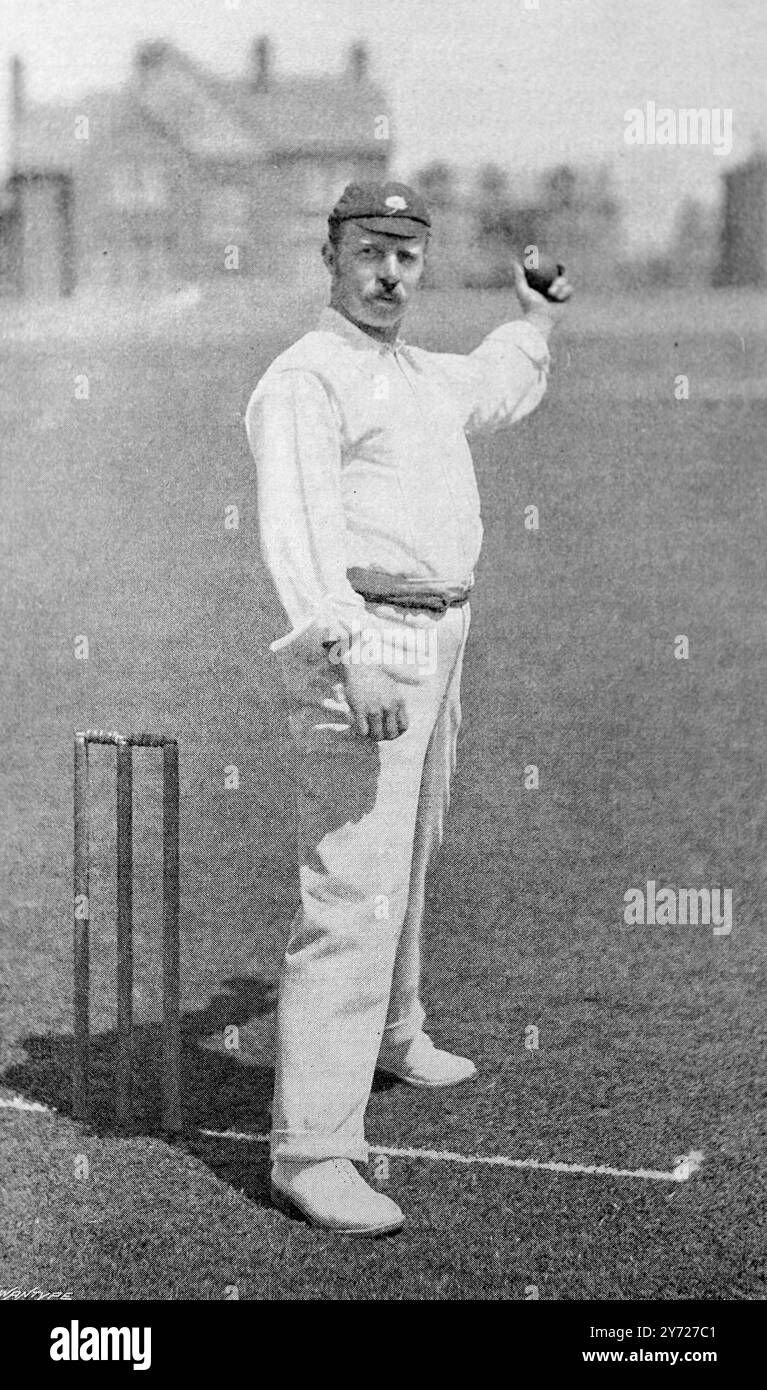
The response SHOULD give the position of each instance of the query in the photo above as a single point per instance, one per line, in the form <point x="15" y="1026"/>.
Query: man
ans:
<point x="370" y="527"/>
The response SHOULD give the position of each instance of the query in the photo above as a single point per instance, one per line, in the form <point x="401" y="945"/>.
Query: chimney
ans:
<point x="262" y="64"/>
<point x="18" y="100"/>
<point x="17" y="109"/>
<point x="149" y="57"/>
<point x="359" y="61"/>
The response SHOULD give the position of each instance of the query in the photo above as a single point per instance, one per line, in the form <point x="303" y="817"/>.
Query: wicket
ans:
<point x="171" y="1061"/>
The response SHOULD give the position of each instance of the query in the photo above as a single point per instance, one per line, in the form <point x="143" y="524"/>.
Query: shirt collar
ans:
<point x="331" y="321"/>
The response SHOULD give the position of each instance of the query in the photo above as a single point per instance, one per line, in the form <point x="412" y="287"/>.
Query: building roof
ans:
<point x="47" y="139"/>
<point x="298" y="114"/>
<point x="211" y="118"/>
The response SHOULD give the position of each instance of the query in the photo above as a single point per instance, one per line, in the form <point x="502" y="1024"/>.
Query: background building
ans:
<point x="181" y="174"/>
<point x="743" y="243"/>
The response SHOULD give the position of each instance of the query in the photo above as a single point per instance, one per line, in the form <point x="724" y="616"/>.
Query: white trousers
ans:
<point x="369" y="816"/>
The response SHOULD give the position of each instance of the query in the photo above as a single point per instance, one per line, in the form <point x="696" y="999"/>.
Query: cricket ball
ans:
<point x="544" y="275"/>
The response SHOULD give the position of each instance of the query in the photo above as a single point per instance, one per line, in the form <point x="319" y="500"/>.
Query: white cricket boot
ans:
<point x="330" y="1192"/>
<point x="420" y="1063"/>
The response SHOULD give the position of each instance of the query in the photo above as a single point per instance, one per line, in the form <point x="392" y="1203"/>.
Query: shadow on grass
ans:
<point x="221" y="1089"/>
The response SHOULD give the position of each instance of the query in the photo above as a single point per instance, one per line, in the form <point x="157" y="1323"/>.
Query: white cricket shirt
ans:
<point x="362" y="459"/>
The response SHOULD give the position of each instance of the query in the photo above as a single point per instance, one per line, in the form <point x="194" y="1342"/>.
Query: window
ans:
<point x="226" y="211"/>
<point x="321" y="185"/>
<point x="139" y="186"/>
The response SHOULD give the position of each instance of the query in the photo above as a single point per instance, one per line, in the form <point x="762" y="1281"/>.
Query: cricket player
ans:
<point x="370" y="527"/>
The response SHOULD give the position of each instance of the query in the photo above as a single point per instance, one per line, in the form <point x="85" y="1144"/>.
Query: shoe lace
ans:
<point x="346" y="1170"/>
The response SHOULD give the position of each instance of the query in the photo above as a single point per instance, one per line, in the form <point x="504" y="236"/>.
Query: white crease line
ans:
<point x="17" y="1103"/>
<point x="681" y="1172"/>
<point x="683" y="1169"/>
<point x="685" y="1166"/>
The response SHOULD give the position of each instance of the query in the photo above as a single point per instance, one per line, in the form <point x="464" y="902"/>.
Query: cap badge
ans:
<point x="395" y="203"/>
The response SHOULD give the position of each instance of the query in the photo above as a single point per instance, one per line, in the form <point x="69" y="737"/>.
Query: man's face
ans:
<point x="374" y="275"/>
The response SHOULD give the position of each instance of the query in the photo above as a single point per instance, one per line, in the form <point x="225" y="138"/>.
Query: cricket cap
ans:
<point x="383" y="207"/>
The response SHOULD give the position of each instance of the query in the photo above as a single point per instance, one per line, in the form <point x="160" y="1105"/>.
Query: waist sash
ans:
<point x="430" y="594"/>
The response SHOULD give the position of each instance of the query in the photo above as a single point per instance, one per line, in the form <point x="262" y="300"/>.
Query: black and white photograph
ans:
<point x="382" y="417"/>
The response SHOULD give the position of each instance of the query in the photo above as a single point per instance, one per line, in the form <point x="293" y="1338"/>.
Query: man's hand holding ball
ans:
<point x="541" y="292"/>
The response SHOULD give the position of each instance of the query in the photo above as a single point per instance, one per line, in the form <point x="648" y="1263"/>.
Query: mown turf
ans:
<point x="649" y="1038"/>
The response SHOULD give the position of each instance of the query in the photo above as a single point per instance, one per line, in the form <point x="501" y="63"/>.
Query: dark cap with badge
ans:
<point x="383" y="207"/>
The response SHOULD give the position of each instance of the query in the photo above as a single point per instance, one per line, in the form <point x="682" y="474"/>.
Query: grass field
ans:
<point x="650" y="1038"/>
